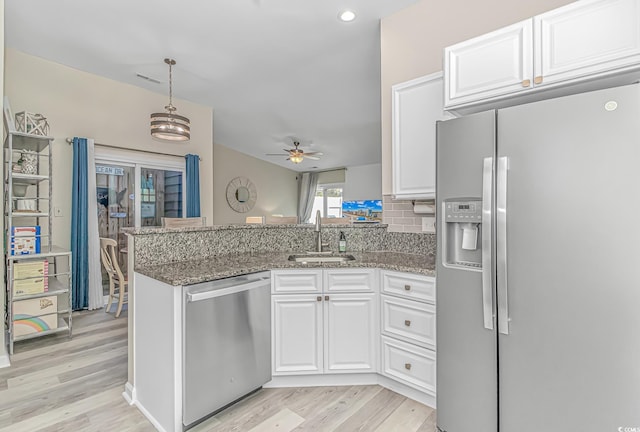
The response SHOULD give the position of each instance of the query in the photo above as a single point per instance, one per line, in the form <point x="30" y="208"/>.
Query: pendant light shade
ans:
<point x="169" y="126"/>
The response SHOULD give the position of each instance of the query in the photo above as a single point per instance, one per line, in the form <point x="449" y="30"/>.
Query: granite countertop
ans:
<point x="160" y="230"/>
<point x="223" y="266"/>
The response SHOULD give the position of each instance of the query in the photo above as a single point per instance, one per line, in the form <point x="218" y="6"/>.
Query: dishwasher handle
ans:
<point x="205" y="295"/>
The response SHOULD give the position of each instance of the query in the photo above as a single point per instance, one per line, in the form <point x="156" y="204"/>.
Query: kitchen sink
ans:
<point x="317" y="258"/>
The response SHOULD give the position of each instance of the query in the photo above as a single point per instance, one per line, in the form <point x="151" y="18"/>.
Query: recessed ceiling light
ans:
<point x="347" y="15"/>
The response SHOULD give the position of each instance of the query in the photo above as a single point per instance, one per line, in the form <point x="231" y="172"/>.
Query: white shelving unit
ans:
<point x="55" y="302"/>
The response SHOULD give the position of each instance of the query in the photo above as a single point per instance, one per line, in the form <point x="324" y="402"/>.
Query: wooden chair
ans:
<point x="335" y="221"/>
<point x="183" y="222"/>
<point x="117" y="281"/>
<point x="281" y="220"/>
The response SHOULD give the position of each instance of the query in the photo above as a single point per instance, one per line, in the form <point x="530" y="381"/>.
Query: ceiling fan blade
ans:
<point x="314" y="154"/>
<point x="274" y="154"/>
<point x="306" y="156"/>
<point x="288" y="150"/>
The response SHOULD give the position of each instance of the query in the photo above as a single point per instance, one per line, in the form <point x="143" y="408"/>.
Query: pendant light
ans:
<point x="169" y="126"/>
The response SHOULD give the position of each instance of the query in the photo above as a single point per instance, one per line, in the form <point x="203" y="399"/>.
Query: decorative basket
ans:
<point x="30" y="123"/>
<point x="29" y="162"/>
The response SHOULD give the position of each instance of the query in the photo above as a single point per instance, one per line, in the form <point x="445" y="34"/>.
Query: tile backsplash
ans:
<point x="399" y="216"/>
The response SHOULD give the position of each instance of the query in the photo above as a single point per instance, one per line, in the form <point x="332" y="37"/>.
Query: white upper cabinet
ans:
<point x="586" y="37"/>
<point x="566" y="50"/>
<point x="490" y="65"/>
<point x="416" y="106"/>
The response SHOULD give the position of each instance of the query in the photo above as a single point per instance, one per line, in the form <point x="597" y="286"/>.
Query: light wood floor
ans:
<point x="57" y="384"/>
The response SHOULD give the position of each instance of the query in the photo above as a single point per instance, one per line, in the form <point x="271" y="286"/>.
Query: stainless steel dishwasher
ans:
<point x="227" y="343"/>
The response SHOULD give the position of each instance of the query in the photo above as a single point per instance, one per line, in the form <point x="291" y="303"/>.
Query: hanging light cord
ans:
<point x="170" y="107"/>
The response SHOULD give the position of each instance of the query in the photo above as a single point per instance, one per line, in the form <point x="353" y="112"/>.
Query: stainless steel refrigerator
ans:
<point x="538" y="266"/>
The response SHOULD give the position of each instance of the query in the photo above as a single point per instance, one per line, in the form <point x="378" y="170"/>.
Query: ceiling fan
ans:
<point x="297" y="155"/>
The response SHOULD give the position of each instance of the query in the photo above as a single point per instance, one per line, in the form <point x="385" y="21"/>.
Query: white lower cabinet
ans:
<point x="328" y="324"/>
<point x="408" y="320"/>
<point x="297" y="334"/>
<point x="409" y="364"/>
<point x="408" y="324"/>
<point x="324" y="332"/>
<point x="349" y="333"/>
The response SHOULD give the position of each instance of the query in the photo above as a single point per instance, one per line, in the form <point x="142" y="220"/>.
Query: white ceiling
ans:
<point x="269" y="68"/>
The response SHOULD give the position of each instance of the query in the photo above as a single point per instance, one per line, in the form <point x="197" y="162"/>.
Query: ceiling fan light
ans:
<point x="296" y="159"/>
<point x="169" y="126"/>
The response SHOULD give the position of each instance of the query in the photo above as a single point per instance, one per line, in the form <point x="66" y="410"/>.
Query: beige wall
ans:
<point x="276" y="186"/>
<point x="81" y="104"/>
<point x="362" y="183"/>
<point x="412" y="41"/>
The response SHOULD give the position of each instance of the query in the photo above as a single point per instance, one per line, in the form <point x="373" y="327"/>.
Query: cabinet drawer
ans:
<point x="414" y="287"/>
<point x="412" y="321"/>
<point x="350" y="280"/>
<point x="409" y="364"/>
<point x="296" y="281"/>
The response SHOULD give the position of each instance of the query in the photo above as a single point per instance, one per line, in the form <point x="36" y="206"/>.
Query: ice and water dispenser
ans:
<point x="462" y="233"/>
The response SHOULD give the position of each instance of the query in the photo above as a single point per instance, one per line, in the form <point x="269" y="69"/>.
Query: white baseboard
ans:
<point x="129" y="393"/>
<point x="352" y="379"/>
<point x="149" y="417"/>
<point x="322" y="380"/>
<point x="406" y="391"/>
<point x="4" y="359"/>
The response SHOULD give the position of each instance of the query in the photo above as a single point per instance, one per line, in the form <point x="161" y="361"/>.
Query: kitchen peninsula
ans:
<point x="375" y="315"/>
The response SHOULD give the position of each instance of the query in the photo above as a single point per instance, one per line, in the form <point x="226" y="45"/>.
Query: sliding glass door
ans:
<point x="160" y="195"/>
<point x="135" y="189"/>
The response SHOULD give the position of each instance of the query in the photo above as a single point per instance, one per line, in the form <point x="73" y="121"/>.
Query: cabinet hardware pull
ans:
<point x="407" y="287"/>
<point x="537" y="80"/>
<point x="319" y="298"/>
<point x="407" y="366"/>
<point x="407" y="322"/>
<point x="326" y="298"/>
<point x="526" y="83"/>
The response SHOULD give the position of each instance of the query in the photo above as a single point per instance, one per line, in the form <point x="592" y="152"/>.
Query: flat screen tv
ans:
<point x="363" y="211"/>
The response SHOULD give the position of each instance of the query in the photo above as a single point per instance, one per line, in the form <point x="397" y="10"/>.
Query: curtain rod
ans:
<point x="70" y="141"/>
<point x="327" y="170"/>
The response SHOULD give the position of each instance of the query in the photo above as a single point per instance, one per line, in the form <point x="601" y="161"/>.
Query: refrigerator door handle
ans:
<point x="501" y="245"/>
<point x="487" y="285"/>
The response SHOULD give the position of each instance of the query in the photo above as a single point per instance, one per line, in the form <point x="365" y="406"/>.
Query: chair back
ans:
<point x="281" y="220"/>
<point x="335" y="221"/>
<point x="183" y="222"/>
<point x="109" y="258"/>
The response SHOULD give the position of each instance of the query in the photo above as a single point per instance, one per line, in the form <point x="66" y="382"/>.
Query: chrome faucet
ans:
<point x="318" y="231"/>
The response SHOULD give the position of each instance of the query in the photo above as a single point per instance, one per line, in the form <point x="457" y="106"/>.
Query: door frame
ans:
<point x="138" y="160"/>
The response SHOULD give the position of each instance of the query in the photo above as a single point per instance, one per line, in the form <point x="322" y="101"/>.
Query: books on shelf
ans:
<point x="31" y="269"/>
<point x="36" y="307"/>
<point x="25" y="240"/>
<point x="30" y="286"/>
<point x="26" y="325"/>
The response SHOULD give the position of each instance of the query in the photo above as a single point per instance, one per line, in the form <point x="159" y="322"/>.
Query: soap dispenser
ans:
<point x="342" y="243"/>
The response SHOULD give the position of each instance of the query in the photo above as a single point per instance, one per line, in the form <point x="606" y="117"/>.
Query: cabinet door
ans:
<point x="297" y="334"/>
<point x="494" y="64"/>
<point x="350" y="333"/>
<point x="416" y="106"/>
<point x="586" y="38"/>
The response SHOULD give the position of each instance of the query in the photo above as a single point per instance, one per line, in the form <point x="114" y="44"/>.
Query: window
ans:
<point x="328" y="200"/>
